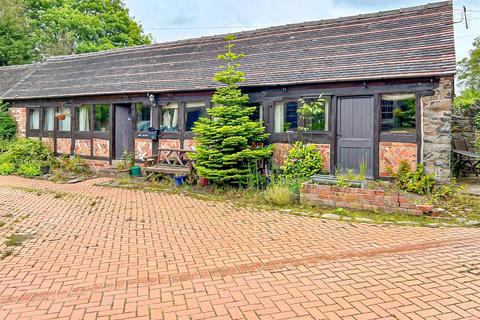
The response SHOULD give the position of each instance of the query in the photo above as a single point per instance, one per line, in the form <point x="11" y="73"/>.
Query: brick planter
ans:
<point x="360" y="199"/>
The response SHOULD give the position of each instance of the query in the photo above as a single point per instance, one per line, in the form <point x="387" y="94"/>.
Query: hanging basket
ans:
<point x="60" y="116"/>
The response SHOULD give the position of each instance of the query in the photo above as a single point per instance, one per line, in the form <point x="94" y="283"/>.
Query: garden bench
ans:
<point x="466" y="160"/>
<point x="169" y="161"/>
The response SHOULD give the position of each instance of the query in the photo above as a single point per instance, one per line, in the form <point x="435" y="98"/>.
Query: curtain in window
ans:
<point x="169" y="116"/>
<point x="34" y="119"/>
<point x="64" y="125"/>
<point x="279" y="120"/>
<point x="83" y="118"/>
<point x="49" y="118"/>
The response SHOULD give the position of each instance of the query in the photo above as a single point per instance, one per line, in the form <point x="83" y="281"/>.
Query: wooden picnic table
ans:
<point x="169" y="161"/>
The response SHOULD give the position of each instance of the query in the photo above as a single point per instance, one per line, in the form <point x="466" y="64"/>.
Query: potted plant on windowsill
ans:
<point x="60" y="116"/>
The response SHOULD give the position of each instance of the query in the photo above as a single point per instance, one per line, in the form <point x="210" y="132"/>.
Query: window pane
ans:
<point x="102" y="117"/>
<point x="144" y="117"/>
<point x="258" y="114"/>
<point x="291" y="116"/>
<point x="64" y="125"/>
<point x="48" y="118"/>
<point x="193" y="112"/>
<point x="279" y="120"/>
<point x="398" y="113"/>
<point x="319" y="122"/>
<point x="34" y="116"/>
<point x="169" y="117"/>
<point x="83" y="116"/>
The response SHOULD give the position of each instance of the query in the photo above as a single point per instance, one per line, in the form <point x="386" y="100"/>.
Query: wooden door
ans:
<point x="123" y="130"/>
<point x="355" y="134"/>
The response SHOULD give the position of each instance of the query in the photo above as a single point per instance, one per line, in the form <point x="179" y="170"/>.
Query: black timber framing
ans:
<point x="266" y="96"/>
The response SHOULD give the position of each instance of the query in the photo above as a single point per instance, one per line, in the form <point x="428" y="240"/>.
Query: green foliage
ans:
<point x="6" y="168"/>
<point x="343" y="182"/>
<point x="446" y="191"/>
<point x="406" y="118"/>
<point x="16" y="45"/>
<point x="477" y="120"/>
<point x="413" y="181"/>
<point x="467" y="99"/>
<point x="25" y="157"/>
<point x="31" y="29"/>
<point x="469" y="68"/>
<point x="15" y="240"/>
<point x="79" y="26"/>
<point x="312" y="114"/>
<point x="279" y="193"/>
<point x="302" y="162"/>
<point x="8" y="126"/>
<point x="228" y="141"/>
<point x="29" y="170"/>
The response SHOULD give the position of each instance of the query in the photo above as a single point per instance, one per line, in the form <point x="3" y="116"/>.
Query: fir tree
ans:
<point x="226" y="152"/>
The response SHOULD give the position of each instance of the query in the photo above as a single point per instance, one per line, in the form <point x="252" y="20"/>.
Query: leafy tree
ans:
<point x="31" y="30"/>
<point x="8" y="127"/>
<point x="469" y="77"/>
<point x="79" y="26"/>
<point x="226" y="153"/>
<point x="16" y="45"/>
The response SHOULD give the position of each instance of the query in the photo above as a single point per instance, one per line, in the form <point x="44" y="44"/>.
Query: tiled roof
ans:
<point x="10" y="76"/>
<point x="411" y="42"/>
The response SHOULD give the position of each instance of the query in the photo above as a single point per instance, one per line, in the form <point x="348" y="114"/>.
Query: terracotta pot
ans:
<point x="60" y="116"/>
<point x="203" y="182"/>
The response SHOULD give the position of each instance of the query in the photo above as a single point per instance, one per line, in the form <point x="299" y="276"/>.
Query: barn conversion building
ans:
<point x="387" y="77"/>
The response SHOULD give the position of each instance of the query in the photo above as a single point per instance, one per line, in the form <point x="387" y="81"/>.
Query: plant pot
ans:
<point x="179" y="180"/>
<point x="45" y="169"/>
<point x="203" y="182"/>
<point x="60" y="117"/>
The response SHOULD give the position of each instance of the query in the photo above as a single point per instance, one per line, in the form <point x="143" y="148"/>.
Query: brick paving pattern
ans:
<point x="103" y="253"/>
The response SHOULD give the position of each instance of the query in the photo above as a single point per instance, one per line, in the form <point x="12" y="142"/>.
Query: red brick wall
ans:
<point x="360" y="199"/>
<point x="169" y="143"/>
<point x="20" y="116"/>
<point x="49" y="142"/>
<point x="281" y="149"/>
<point x="143" y="148"/>
<point x="101" y="148"/>
<point x="391" y="153"/>
<point x="64" y="145"/>
<point x="97" y="164"/>
<point x="82" y="147"/>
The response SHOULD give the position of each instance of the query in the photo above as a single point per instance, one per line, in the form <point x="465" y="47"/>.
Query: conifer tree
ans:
<point x="226" y="152"/>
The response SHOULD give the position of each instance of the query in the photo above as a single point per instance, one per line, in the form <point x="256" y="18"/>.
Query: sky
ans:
<point x="168" y="20"/>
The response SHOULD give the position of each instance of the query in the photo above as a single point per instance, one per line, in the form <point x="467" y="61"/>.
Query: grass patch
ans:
<point x="2" y="224"/>
<point x="6" y="253"/>
<point x="16" y="240"/>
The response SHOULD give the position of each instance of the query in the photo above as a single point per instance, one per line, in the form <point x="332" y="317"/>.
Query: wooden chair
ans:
<point x="466" y="160"/>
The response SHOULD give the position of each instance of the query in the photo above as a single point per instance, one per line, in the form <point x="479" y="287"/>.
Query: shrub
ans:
<point x="8" y="126"/>
<point x="413" y="181"/>
<point x="279" y="194"/>
<point x="302" y="162"/>
<point x="25" y="157"/>
<point x="6" y="168"/>
<point x="29" y="169"/>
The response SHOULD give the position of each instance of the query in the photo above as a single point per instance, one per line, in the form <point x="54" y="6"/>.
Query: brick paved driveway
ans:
<point x="117" y="254"/>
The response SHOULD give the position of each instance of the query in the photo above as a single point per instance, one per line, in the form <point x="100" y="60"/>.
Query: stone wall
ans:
<point x="436" y="128"/>
<point x="360" y="199"/>
<point x="463" y="124"/>
<point x="392" y="153"/>
<point x="20" y="116"/>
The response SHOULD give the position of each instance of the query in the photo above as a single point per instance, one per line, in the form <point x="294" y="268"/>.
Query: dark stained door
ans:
<point x="123" y="130"/>
<point x="355" y="133"/>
